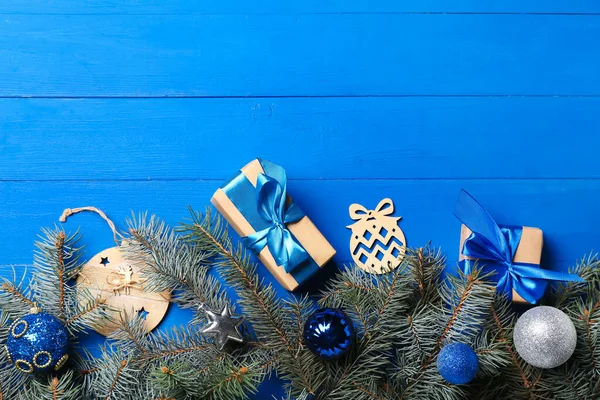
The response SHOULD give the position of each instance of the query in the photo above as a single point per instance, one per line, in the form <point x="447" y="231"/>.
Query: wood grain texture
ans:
<point x="377" y="243"/>
<point x="298" y="55"/>
<point x="341" y="138"/>
<point x="137" y="7"/>
<point x="105" y="276"/>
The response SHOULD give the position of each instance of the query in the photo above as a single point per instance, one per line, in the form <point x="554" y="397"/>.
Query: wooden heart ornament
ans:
<point x="377" y="244"/>
<point x="118" y="281"/>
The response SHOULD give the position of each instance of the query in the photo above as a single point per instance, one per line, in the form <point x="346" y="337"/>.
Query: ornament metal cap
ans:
<point x="35" y="309"/>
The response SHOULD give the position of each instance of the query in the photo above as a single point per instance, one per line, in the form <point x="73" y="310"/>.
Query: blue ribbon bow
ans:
<point x="271" y="206"/>
<point x="497" y="246"/>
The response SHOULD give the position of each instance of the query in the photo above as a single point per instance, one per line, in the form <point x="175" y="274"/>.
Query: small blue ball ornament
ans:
<point x="457" y="363"/>
<point x="37" y="342"/>
<point x="329" y="333"/>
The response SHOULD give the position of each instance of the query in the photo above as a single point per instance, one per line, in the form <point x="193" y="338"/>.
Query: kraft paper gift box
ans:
<point x="237" y="200"/>
<point x="529" y="251"/>
<point x="513" y="252"/>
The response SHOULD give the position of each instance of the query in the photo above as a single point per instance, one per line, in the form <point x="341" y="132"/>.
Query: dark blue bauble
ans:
<point x="457" y="363"/>
<point x="329" y="333"/>
<point x="37" y="342"/>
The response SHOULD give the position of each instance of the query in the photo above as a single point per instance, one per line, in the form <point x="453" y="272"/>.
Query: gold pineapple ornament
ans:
<point x="377" y="243"/>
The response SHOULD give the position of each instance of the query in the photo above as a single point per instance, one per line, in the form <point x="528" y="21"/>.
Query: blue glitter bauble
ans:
<point x="457" y="363"/>
<point x="329" y="333"/>
<point x="37" y="342"/>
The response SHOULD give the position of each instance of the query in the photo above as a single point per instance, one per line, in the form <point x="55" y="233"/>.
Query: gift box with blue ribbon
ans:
<point x="256" y="204"/>
<point x="513" y="252"/>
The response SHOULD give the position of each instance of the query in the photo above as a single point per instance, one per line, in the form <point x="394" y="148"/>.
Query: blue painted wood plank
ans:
<point x="297" y="6"/>
<point x="299" y="55"/>
<point x="341" y="138"/>
<point x="565" y="209"/>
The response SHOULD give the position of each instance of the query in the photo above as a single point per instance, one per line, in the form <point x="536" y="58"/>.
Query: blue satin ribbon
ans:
<point x="496" y="246"/>
<point x="271" y="199"/>
<point x="267" y="210"/>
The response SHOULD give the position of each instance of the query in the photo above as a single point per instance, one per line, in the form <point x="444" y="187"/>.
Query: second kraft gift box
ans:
<point x="512" y="252"/>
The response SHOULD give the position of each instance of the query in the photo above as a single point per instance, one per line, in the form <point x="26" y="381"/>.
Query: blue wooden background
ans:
<point x="150" y="105"/>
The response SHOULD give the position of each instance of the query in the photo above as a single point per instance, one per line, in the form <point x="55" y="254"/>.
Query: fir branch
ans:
<point x="420" y="272"/>
<point x="54" y="388"/>
<point x="237" y="375"/>
<point x="372" y="299"/>
<point x="591" y="338"/>
<point x="367" y="392"/>
<point x="63" y="387"/>
<point x="88" y="311"/>
<point x="563" y="371"/>
<point x="94" y="306"/>
<point x="59" y="244"/>
<point x="298" y="312"/>
<point x="585" y="315"/>
<point x="415" y="334"/>
<point x="264" y="310"/>
<point x="15" y="296"/>
<point x="177" y="381"/>
<point x="249" y="283"/>
<point x="503" y="338"/>
<point x="561" y="294"/>
<point x="149" y="356"/>
<point x="239" y="378"/>
<point x="363" y="322"/>
<point x="403" y="320"/>
<point x="118" y="374"/>
<point x="113" y="375"/>
<point x="469" y="297"/>
<point x="450" y="324"/>
<point x="206" y="369"/>
<point x="427" y="266"/>
<point x="186" y="345"/>
<point x="325" y="298"/>
<point x="56" y="263"/>
<point x="471" y="280"/>
<point x="16" y="292"/>
<point x="131" y="333"/>
<point x="244" y="274"/>
<point x="172" y="264"/>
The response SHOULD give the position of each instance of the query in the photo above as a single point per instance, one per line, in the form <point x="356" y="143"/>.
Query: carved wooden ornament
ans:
<point x="377" y="244"/>
<point x="119" y="282"/>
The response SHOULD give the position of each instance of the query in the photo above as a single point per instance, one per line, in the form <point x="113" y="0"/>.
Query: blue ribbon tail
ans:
<point x="285" y="249"/>
<point x="488" y="241"/>
<point x="256" y="241"/>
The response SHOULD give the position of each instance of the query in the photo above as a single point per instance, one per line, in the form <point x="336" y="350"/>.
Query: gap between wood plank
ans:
<point x="167" y="97"/>
<point x="301" y="179"/>
<point x="315" y="13"/>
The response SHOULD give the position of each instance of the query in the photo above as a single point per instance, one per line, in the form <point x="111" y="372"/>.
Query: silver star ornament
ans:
<point x="224" y="326"/>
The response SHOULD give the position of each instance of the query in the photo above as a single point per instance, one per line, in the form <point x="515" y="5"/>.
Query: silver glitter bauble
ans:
<point x="545" y="337"/>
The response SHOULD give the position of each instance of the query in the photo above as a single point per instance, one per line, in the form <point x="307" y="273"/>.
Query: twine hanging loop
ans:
<point x="70" y="211"/>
